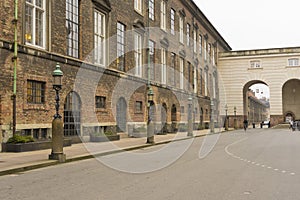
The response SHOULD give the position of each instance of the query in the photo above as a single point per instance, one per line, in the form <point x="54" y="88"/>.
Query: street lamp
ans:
<point x="57" y="124"/>
<point x="234" y="123"/>
<point x="212" y="125"/>
<point x="150" y="126"/>
<point x="226" y="121"/>
<point x="190" y="123"/>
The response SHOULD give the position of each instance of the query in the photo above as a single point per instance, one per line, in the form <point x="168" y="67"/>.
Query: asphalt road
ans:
<point x="259" y="164"/>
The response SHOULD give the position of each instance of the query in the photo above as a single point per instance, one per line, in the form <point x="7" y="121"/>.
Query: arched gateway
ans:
<point x="277" y="68"/>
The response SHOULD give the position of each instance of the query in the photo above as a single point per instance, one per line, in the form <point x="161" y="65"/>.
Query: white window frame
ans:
<point x="138" y="5"/>
<point x="181" y="29"/>
<point x="163" y="66"/>
<point x="255" y="64"/>
<point x="205" y="49"/>
<point x="121" y="45"/>
<point x="99" y="38"/>
<point x="181" y="76"/>
<point x="138" y="54"/>
<point x="172" y="23"/>
<point x="163" y="15"/>
<point x="195" y="41"/>
<point x="200" y="44"/>
<point x="195" y="80"/>
<point x="206" y="83"/>
<point x="34" y="8"/>
<point x="151" y="9"/>
<point x="293" y="62"/>
<point x="188" y="30"/>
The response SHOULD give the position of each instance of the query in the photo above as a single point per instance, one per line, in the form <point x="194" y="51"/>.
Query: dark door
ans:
<point x="72" y="109"/>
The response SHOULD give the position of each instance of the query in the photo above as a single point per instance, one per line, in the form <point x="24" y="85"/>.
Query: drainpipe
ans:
<point x="14" y="96"/>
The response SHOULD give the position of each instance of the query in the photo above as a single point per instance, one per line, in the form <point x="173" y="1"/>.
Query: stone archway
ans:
<point x="291" y="99"/>
<point x="72" y="115"/>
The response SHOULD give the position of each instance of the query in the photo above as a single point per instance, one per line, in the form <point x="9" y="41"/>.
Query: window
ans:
<point x="138" y="106"/>
<point x="188" y="27"/>
<point x="163" y="66"/>
<point x="214" y="56"/>
<point x="181" y="66"/>
<point x="163" y="16"/>
<point x="121" y="46"/>
<point x="214" y="86"/>
<point x="209" y="52"/>
<point x="173" y="64"/>
<point x="205" y="49"/>
<point x="172" y="21"/>
<point x="201" y="81"/>
<point x="200" y="44"/>
<point x="100" y="102"/>
<point x="138" y="53"/>
<point x="181" y="29"/>
<point x="72" y="24"/>
<point x="255" y="64"/>
<point x="35" y="92"/>
<point x="99" y="26"/>
<point x="205" y="83"/>
<point x="195" y="41"/>
<point x="195" y="80"/>
<point x="35" y="22"/>
<point x="138" y="5"/>
<point x="151" y="9"/>
<point x="293" y="62"/>
<point x="152" y="59"/>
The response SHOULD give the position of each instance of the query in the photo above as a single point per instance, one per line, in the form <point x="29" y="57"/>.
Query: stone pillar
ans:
<point x="57" y="141"/>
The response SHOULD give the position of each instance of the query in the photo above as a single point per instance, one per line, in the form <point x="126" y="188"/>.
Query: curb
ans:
<point x="48" y="163"/>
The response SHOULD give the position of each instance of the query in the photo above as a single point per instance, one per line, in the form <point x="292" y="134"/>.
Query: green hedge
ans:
<point x="20" y="139"/>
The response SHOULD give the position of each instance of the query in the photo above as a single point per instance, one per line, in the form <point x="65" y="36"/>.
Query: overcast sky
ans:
<point x="255" y="24"/>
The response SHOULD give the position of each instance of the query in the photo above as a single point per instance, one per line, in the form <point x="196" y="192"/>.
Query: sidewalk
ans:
<point x="18" y="162"/>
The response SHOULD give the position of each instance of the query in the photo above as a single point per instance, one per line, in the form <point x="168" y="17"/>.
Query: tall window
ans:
<point x="213" y="56"/>
<point x="188" y="27"/>
<point x="138" y="5"/>
<point x="138" y="53"/>
<point x="172" y="21"/>
<point x="151" y="9"/>
<point x="200" y="44"/>
<point x="152" y="59"/>
<point x="35" y="22"/>
<point x="173" y="65"/>
<point x="181" y="78"/>
<point x="201" y="81"/>
<point x="205" y="49"/>
<point x="163" y="66"/>
<point x="195" y="80"/>
<point x="209" y="52"/>
<point x="99" y="31"/>
<point x="121" y="46"/>
<point x="72" y="24"/>
<point x="35" y="92"/>
<point x="181" y="29"/>
<point x="163" y="15"/>
<point x="206" y="83"/>
<point x="195" y="41"/>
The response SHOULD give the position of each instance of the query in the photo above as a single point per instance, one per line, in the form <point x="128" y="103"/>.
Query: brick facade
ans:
<point x="37" y="64"/>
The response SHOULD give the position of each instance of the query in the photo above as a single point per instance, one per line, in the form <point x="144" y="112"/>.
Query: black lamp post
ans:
<point x="226" y="120"/>
<point x="57" y="124"/>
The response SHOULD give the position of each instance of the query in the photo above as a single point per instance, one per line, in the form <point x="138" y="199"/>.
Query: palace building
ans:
<point x="110" y="52"/>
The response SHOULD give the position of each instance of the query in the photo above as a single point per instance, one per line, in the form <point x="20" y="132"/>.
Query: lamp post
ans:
<point x="234" y="123"/>
<point x="150" y="126"/>
<point x="226" y="120"/>
<point x="190" y="117"/>
<point x="212" y="125"/>
<point x="57" y="124"/>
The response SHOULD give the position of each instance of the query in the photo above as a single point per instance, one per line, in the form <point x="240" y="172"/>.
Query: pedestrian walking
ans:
<point x="245" y="124"/>
<point x="291" y="124"/>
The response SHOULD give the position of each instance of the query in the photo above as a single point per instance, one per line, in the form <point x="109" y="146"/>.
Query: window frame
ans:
<point x="163" y="66"/>
<point x="138" y="6"/>
<point x="100" y="102"/>
<point x="172" y="21"/>
<point x="181" y="32"/>
<point x="152" y="59"/>
<point x="151" y="9"/>
<point x="163" y="15"/>
<point x="181" y="73"/>
<point x="138" y="55"/>
<point x="121" y="28"/>
<point x="293" y="62"/>
<point x="32" y="90"/>
<point x="33" y="30"/>
<point x="99" y="45"/>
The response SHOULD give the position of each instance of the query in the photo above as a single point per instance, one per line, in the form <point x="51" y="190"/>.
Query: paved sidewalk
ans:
<point x="18" y="162"/>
